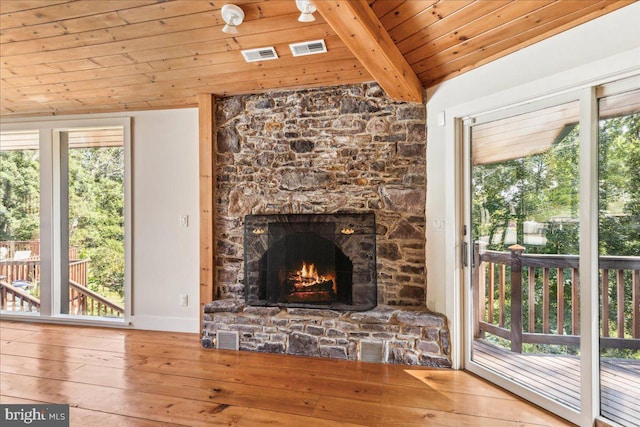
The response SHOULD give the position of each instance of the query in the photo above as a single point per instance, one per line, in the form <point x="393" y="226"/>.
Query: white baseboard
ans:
<point x="164" y="323"/>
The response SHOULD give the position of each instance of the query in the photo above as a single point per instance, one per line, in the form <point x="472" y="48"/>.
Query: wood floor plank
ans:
<point x="257" y="417"/>
<point x="114" y="401"/>
<point x="13" y="334"/>
<point x="174" y="338"/>
<point x="205" y="390"/>
<point x="115" y="343"/>
<point x="391" y="415"/>
<point x="479" y="406"/>
<point x="37" y="367"/>
<point x="458" y="382"/>
<point x="54" y="338"/>
<point x="92" y="357"/>
<point x="279" y="379"/>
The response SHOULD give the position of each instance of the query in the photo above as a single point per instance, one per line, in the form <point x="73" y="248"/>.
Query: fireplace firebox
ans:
<point x="311" y="260"/>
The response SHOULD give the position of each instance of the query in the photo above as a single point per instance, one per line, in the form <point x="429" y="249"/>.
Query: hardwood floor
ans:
<point x="144" y="378"/>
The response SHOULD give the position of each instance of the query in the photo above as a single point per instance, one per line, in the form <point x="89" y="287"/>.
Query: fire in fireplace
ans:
<point x="323" y="260"/>
<point x="307" y="284"/>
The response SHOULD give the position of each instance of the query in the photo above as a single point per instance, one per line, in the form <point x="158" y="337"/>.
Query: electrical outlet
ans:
<point x="184" y="300"/>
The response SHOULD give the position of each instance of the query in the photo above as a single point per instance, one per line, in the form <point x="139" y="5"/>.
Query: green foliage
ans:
<point x="19" y="195"/>
<point x="96" y="213"/>
<point x="96" y="207"/>
<point x="544" y="188"/>
<point x="541" y="188"/>
<point x="619" y="178"/>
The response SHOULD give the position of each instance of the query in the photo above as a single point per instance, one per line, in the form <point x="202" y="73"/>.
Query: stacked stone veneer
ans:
<point x="410" y="336"/>
<point x="339" y="149"/>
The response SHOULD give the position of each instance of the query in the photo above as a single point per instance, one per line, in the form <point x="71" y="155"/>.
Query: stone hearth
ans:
<point x="411" y="336"/>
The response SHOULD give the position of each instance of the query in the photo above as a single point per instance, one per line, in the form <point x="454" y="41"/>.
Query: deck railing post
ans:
<point x="516" y="298"/>
<point x="478" y="284"/>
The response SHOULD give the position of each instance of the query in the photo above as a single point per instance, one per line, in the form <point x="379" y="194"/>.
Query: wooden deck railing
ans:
<point x="501" y="280"/>
<point x="29" y="270"/>
<point x="82" y="300"/>
<point x="15" y="299"/>
<point x="33" y="246"/>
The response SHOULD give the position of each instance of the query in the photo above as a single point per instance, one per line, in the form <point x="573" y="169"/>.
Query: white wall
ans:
<point x="165" y="186"/>
<point x="588" y="54"/>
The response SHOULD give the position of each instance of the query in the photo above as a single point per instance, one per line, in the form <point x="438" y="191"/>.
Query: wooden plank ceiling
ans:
<point x="88" y="56"/>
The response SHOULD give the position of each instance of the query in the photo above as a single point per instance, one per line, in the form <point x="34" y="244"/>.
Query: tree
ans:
<point x="19" y="195"/>
<point x="96" y="207"/>
<point x="96" y="212"/>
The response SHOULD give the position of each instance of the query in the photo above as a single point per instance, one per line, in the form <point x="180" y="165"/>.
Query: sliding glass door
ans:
<point x="534" y="178"/>
<point x="525" y="231"/>
<point x="619" y="252"/>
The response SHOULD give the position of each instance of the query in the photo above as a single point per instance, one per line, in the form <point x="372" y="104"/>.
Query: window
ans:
<point x="63" y="213"/>
<point x="19" y="222"/>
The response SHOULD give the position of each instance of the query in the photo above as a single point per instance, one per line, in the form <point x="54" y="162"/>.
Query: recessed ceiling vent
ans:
<point x="308" y="48"/>
<point x="260" y="54"/>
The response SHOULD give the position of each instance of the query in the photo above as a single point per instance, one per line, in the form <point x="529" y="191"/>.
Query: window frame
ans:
<point x="52" y="226"/>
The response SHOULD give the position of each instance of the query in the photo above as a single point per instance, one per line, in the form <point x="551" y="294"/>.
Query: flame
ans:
<point x="308" y="276"/>
<point x="310" y="272"/>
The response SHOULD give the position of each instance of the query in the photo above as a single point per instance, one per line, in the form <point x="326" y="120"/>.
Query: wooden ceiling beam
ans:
<point x="361" y="31"/>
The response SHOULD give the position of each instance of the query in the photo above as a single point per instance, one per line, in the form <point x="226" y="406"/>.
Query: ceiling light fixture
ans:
<point x="306" y="7"/>
<point x="232" y="16"/>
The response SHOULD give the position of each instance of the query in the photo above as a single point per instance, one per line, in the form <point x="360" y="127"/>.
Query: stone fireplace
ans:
<point x="295" y="173"/>
<point x="311" y="261"/>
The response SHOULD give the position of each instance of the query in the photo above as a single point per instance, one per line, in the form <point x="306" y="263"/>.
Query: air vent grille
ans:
<point x="227" y="340"/>
<point x="260" y="54"/>
<point x="373" y="351"/>
<point x="308" y="48"/>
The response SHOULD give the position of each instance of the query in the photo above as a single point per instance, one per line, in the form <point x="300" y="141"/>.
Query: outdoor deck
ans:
<point x="558" y="377"/>
<point x="533" y="299"/>
<point x="20" y="274"/>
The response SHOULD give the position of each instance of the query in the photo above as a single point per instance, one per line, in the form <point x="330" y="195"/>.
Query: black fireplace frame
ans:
<point x="353" y="234"/>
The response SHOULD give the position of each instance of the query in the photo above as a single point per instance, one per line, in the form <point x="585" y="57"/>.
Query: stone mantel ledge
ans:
<point x="412" y="335"/>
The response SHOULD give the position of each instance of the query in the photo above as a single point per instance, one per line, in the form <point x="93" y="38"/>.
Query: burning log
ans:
<point x="307" y="279"/>
<point x="297" y="286"/>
